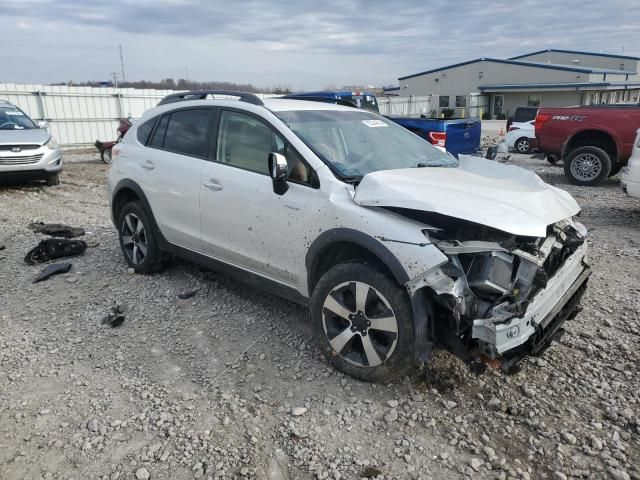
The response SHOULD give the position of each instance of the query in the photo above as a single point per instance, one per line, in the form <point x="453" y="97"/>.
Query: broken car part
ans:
<point x="56" y="230"/>
<point x="53" y="248"/>
<point x="53" y="269"/>
<point x="115" y="317"/>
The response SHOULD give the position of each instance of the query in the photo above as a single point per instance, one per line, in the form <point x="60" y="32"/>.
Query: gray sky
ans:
<point x="303" y="44"/>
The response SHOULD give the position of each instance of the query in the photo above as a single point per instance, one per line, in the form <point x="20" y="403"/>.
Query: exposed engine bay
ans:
<point x="493" y="291"/>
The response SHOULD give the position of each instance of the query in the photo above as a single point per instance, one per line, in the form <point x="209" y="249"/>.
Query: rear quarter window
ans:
<point x="144" y="131"/>
<point x="187" y="132"/>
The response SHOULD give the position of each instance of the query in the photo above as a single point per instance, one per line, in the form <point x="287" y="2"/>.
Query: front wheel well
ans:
<point x="593" y="138"/>
<point x="342" y="252"/>
<point x="121" y="198"/>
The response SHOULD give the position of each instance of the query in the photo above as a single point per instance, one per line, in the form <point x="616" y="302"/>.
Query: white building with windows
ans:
<point x="546" y="78"/>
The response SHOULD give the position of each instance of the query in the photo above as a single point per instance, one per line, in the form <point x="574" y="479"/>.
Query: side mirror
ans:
<point x="42" y="124"/>
<point x="278" y="169"/>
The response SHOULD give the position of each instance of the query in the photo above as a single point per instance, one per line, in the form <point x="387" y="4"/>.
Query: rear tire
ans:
<point x="53" y="179"/>
<point x="522" y="145"/>
<point x="552" y="159"/>
<point x="587" y="166"/>
<point x="363" y="322"/>
<point x="137" y="240"/>
<point x="105" y="155"/>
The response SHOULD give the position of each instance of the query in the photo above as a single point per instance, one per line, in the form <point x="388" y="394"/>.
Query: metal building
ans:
<point x="544" y="78"/>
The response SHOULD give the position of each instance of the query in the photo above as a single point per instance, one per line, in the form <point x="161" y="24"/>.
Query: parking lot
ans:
<point x="229" y="383"/>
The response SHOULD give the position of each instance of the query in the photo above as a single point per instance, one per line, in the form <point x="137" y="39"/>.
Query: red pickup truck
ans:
<point x="594" y="141"/>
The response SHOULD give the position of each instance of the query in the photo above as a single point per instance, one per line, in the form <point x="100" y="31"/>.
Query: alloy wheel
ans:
<point x="522" y="146"/>
<point x="586" y="167"/>
<point x="134" y="238"/>
<point x="360" y="324"/>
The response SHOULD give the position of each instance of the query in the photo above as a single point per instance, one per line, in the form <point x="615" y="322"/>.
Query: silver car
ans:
<point x="27" y="149"/>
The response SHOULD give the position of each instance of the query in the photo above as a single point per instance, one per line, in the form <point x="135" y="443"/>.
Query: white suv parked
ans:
<point x="397" y="247"/>
<point x="27" y="150"/>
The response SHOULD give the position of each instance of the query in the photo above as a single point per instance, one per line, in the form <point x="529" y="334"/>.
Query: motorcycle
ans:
<point x="105" y="147"/>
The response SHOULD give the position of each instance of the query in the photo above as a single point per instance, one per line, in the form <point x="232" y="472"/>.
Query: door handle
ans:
<point x="212" y="185"/>
<point x="148" y="165"/>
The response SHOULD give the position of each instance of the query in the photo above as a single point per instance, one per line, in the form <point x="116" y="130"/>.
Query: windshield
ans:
<point x="12" y="118"/>
<point x="355" y="143"/>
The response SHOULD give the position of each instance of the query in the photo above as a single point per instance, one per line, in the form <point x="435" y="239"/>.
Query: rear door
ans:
<point x="171" y="167"/>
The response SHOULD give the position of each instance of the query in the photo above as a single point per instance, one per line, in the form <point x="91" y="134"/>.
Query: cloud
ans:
<point x="298" y="42"/>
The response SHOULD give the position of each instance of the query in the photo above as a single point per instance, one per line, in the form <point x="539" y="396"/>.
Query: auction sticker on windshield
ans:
<point x="374" y="123"/>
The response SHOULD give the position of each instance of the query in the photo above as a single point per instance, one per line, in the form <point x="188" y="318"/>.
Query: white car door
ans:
<point x="171" y="172"/>
<point x="244" y="222"/>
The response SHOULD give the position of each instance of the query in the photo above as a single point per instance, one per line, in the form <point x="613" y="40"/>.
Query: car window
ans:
<point x="144" y="130"/>
<point x="246" y="142"/>
<point x="187" y="132"/>
<point x="157" y="140"/>
<point x="12" y="118"/>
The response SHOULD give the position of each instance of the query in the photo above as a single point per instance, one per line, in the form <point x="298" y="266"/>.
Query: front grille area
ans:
<point x="22" y="160"/>
<point x="21" y="147"/>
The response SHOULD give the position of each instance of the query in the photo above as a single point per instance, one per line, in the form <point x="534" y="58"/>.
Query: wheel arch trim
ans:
<point x="339" y="235"/>
<point x="128" y="184"/>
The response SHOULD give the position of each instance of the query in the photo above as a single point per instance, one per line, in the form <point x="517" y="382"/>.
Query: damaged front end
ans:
<point x="501" y="297"/>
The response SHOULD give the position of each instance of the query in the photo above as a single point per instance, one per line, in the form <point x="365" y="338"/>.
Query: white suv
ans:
<point x="27" y="149"/>
<point x="397" y="247"/>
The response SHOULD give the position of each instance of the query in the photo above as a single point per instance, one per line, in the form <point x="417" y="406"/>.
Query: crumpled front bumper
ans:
<point x="533" y="331"/>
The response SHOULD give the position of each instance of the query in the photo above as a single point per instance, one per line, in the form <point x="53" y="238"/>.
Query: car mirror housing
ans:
<point x="278" y="168"/>
<point x="42" y="124"/>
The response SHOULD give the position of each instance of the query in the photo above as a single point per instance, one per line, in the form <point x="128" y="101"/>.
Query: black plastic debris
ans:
<point x="56" y="230"/>
<point x="53" y="248"/>
<point x="491" y="153"/>
<point x="2" y="247"/>
<point x="115" y="317"/>
<point x="188" y="293"/>
<point x="53" y="269"/>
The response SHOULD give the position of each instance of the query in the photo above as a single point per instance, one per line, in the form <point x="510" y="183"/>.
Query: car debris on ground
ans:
<point x="115" y="317"/>
<point x="53" y="269"/>
<point x="52" y="248"/>
<point x="56" y="230"/>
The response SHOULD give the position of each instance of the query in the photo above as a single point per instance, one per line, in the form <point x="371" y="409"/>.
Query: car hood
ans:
<point x="504" y="197"/>
<point x="36" y="136"/>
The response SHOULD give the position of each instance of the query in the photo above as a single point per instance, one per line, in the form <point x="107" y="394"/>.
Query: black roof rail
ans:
<point x="202" y="94"/>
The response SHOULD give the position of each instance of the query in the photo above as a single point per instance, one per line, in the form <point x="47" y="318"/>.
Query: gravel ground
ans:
<point x="228" y="384"/>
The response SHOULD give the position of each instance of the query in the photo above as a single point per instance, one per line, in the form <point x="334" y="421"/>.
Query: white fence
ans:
<point x="429" y="106"/>
<point x="409" y="106"/>
<point x="78" y="116"/>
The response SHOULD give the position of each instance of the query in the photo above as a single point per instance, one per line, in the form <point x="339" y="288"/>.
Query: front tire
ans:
<point x="52" y="179"/>
<point x="137" y="240"/>
<point x="363" y="322"/>
<point x="587" y="166"/>
<point x="523" y="145"/>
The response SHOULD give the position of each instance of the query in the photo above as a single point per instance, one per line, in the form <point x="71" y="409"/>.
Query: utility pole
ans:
<point x="122" y="63"/>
